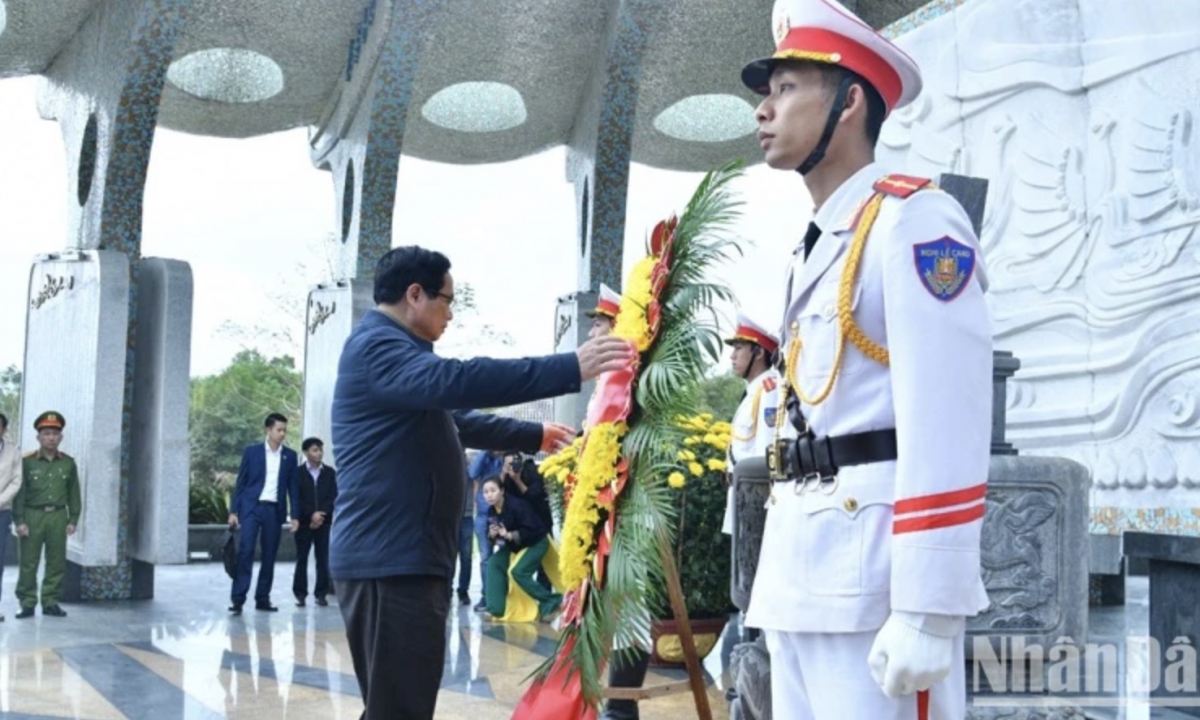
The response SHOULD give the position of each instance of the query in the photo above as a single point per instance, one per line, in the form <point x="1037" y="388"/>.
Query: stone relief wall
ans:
<point x="1081" y="116"/>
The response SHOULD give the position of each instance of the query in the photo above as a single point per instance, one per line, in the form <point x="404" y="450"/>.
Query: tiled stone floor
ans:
<point x="182" y="656"/>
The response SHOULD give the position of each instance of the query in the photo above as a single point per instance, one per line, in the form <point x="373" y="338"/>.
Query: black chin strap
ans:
<point x="754" y="351"/>
<point x="835" y="112"/>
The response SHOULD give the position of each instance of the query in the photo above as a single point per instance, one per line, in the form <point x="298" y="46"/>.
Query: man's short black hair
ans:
<point x="400" y="267"/>
<point x="311" y="442"/>
<point x="272" y="419"/>
<point x="876" y="110"/>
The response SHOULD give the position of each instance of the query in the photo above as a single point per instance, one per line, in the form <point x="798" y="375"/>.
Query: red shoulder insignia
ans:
<point x="901" y="186"/>
<point x="769" y="384"/>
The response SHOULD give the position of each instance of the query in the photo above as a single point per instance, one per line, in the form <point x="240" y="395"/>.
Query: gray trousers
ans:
<point x="396" y="629"/>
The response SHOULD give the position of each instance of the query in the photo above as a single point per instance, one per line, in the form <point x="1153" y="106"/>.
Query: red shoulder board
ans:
<point x="769" y="384"/>
<point x="901" y="186"/>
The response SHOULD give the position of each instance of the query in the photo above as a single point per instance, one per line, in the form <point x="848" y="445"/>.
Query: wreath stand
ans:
<point x="695" y="682"/>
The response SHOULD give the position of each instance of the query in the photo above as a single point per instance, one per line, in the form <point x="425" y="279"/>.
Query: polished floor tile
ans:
<point x="182" y="656"/>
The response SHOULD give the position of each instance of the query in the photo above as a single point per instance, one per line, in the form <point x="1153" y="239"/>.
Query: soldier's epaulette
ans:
<point x="902" y="186"/>
<point x="29" y="454"/>
<point x="769" y="384"/>
<point x="62" y="454"/>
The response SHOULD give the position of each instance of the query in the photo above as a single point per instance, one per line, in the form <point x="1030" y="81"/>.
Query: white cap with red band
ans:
<point x="609" y="303"/>
<point x="751" y="332"/>
<point x="823" y="31"/>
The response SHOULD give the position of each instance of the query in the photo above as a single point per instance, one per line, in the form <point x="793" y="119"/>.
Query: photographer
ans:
<point x="522" y="479"/>
<point x="513" y="526"/>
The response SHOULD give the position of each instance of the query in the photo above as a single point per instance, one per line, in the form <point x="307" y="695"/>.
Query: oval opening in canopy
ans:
<point x="229" y="75"/>
<point x="476" y="107"/>
<point x="707" y="118"/>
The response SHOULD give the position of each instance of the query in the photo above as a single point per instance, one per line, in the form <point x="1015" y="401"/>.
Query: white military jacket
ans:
<point x="904" y="534"/>
<point x="753" y="429"/>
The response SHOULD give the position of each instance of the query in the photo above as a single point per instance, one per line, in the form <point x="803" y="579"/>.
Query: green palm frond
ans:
<point x="619" y="614"/>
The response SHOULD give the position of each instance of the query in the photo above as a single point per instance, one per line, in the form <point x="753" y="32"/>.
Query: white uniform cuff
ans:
<point x="941" y="625"/>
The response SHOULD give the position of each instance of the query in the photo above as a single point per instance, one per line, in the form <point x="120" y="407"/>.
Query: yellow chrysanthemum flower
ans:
<point x="696" y="468"/>
<point x="631" y="320"/>
<point x="686" y="455"/>
<point x="596" y="469"/>
<point x="676" y="480"/>
<point x="691" y="441"/>
<point x="715" y="464"/>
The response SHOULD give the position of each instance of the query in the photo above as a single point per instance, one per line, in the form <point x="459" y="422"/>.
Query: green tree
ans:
<point x="10" y="396"/>
<point x="720" y="395"/>
<point x="228" y="409"/>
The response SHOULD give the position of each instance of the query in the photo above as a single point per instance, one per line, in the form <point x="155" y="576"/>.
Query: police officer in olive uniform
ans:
<point x="45" y="511"/>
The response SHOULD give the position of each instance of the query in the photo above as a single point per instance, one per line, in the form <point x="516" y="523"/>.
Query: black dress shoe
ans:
<point x="464" y="598"/>
<point x="266" y="607"/>
<point x="26" y="612"/>
<point x="322" y="602"/>
<point x="299" y="601"/>
<point x="54" y="611"/>
<point x="235" y="609"/>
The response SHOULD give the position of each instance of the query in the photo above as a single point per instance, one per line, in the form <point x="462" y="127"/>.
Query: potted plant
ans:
<point x="208" y="515"/>
<point x="702" y="551"/>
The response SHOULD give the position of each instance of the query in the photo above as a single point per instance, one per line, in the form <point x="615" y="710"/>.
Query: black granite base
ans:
<point x="1174" y="566"/>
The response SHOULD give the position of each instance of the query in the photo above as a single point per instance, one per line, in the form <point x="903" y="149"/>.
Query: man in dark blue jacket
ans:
<point x="401" y="416"/>
<point x="266" y="484"/>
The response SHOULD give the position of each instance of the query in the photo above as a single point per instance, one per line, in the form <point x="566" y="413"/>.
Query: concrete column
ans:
<point x="602" y="144"/>
<point x="360" y="144"/>
<point x="598" y="162"/>
<point x="82" y="348"/>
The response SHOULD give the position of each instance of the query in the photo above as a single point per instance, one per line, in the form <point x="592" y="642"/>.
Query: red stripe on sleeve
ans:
<point x="939" y="520"/>
<point x="940" y="500"/>
<point x="923" y="705"/>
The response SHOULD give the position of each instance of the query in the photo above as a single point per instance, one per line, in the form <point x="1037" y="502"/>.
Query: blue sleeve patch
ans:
<point x="944" y="266"/>
<point x="769" y="416"/>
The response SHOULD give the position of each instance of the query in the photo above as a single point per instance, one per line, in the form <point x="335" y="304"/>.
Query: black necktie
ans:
<point x="810" y="238"/>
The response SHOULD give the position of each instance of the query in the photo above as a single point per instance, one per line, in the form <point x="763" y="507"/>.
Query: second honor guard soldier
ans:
<point x="605" y="313"/>
<point x="45" y="511"/>
<point x="754" y="357"/>
<point x="870" y="554"/>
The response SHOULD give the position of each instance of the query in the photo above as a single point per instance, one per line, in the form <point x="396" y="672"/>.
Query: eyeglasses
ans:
<point x="439" y="294"/>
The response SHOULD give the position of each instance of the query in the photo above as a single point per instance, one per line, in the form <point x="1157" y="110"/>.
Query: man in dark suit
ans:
<point x="400" y="420"/>
<point x="266" y="488"/>
<point x="317" y="484"/>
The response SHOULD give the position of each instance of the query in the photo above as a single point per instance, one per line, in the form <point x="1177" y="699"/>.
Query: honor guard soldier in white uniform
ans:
<point x="870" y="555"/>
<point x="754" y="357"/>
<point x="605" y="313"/>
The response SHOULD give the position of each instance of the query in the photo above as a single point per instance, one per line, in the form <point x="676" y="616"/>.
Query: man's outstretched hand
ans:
<point x="604" y="354"/>
<point x="556" y="436"/>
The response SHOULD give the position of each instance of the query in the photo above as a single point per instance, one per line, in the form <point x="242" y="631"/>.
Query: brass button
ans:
<point x="830" y="311"/>
<point x="851" y="504"/>
<point x="795" y="327"/>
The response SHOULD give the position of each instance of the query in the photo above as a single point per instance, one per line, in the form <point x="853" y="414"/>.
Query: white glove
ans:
<point x="913" y="651"/>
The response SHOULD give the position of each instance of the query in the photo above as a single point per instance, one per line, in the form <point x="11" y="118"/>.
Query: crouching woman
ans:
<point x="516" y="531"/>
